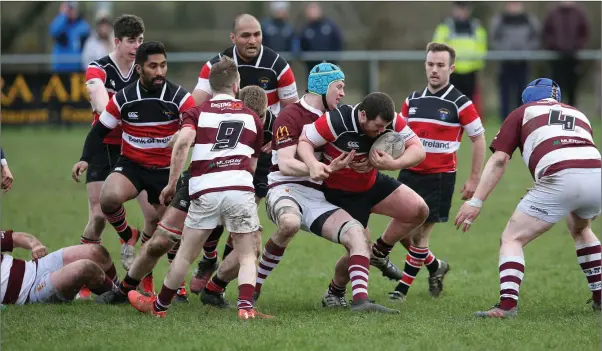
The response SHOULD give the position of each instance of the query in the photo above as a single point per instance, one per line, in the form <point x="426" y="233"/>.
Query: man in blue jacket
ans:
<point x="320" y="33"/>
<point x="69" y="31"/>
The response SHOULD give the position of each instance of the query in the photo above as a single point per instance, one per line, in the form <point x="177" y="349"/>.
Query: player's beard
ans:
<point x="152" y="84"/>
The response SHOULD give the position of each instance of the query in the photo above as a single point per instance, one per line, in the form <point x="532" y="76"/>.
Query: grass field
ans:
<point x="553" y="315"/>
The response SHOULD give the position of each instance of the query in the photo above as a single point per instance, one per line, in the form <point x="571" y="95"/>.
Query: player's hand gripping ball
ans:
<point x="390" y="142"/>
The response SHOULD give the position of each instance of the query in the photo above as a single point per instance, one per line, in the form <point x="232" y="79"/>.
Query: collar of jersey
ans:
<point x="310" y="108"/>
<point x="223" y="97"/>
<point x="439" y="93"/>
<point x="254" y="62"/>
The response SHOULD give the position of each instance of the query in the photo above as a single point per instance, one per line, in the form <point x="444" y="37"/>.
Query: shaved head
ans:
<point x="244" y="20"/>
<point x="246" y="36"/>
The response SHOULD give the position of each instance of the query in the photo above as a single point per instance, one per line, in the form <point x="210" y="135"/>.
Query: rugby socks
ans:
<point x="272" y="254"/>
<point x="216" y="285"/>
<point x="381" y="249"/>
<point x="359" y="269"/>
<point x="83" y="240"/>
<point x="164" y="298"/>
<point x="107" y="285"/>
<point x="245" y="297"/>
<point x="143" y="240"/>
<point x="210" y="246"/>
<point x="414" y="261"/>
<point x="117" y="220"/>
<point x="171" y="254"/>
<point x="512" y="272"/>
<point x="589" y="257"/>
<point x="112" y="274"/>
<point x="431" y="263"/>
<point x="127" y="284"/>
<point x="228" y="248"/>
<point x="334" y="289"/>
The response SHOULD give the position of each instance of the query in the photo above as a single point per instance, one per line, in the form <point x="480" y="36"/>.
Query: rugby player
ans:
<point x="438" y="114"/>
<point x="227" y="139"/>
<point x="105" y="77"/>
<point x="54" y="277"/>
<point x="7" y="176"/>
<point x="257" y="65"/>
<point x="149" y="110"/>
<point x="556" y="144"/>
<point x="166" y="238"/>
<point x="363" y="190"/>
<point x="294" y="199"/>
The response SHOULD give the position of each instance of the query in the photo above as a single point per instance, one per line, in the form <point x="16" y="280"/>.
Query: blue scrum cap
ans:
<point x="321" y="76"/>
<point x="541" y="88"/>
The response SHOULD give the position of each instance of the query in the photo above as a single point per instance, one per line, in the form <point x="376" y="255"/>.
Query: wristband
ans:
<point x="474" y="202"/>
<point x="3" y="162"/>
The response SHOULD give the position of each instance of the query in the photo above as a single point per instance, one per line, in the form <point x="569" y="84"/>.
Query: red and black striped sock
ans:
<point x="118" y="221"/>
<point x="414" y="261"/>
<point x="381" y="249"/>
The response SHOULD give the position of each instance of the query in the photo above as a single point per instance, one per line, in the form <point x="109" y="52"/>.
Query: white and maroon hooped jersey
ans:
<point x="228" y="135"/>
<point x="268" y="70"/>
<point x="149" y="120"/>
<point x="107" y="71"/>
<point x="286" y="131"/>
<point x="16" y="276"/>
<point x="339" y="131"/>
<point x="439" y="120"/>
<point x="551" y="137"/>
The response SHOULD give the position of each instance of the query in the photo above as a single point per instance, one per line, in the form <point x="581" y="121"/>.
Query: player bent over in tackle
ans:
<point x="227" y="141"/>
<point x="295" y="201"/>
<point x="363" y="190"/>
<point x="557" y="146"/>
<point x="54" y="277"/>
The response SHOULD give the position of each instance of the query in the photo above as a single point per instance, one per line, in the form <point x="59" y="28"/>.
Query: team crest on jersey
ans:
<point x="40" y="286"/>
<point x="263" y="82"/>
<point x="443" y="114"/>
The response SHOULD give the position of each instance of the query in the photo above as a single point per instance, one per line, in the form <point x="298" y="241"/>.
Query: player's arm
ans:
<point x="258" y="141"/>
<point x="289" y="165"/>
<point x="414" y="150"/>
<point x="287" y="86"/>
<point x="95" y="84"/>
<point x="109" y="119"/>
<point x="3" y="161"/>
<point x="179" y="154"/>
<point x="202" y="91"/>
<point x="11" y="240"/>
<point x="472" y="125"/>
<point x="7" y="176"/>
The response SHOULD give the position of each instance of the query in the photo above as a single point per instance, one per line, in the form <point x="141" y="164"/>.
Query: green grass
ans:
<point x="553" y="315"/>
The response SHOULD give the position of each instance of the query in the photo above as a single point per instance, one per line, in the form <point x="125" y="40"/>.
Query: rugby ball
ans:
<point x="391" y="143"/>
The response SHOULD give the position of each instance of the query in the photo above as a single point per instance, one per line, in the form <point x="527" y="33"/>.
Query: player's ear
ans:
<point x="116" y="41"/>
<point x="138" y="69"/>
<point x="232" y="38"/>
<point x="452" y="68"/>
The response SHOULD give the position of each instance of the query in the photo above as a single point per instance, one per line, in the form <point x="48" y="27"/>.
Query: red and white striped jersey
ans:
<point x="107" y="71"/>
<point x="287" y="129"/>
<point x="16" y="276"/>
<point x="339" y="131"/>
<point x="149" y="120"/>
<point x="268" y="70"/>
<point x="439" y="120"/>
<point x="228" y="135"/>
<point x="551" y="137"/>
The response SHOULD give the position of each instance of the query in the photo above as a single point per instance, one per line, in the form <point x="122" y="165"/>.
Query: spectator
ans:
<point x="566" y="31"/>
<point x="69" y="31"/>
<point x="100" y="43"/>
<point x="319" y="33"/>
<point x="513" y="30"/>
<point x="278" y="33"/>
<point x="469" y="38"/>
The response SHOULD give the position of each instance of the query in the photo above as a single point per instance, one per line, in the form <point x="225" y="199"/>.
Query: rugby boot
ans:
<point x="214" y="299"/>
<point x="387" y="267"/>
<point x="181" y="294"/>
<point x="497" y="312"/>
<point x="202" y="274"/>
<point x="113" y="297"/>
<point x="84" y="294"/>
<point x="128" y="250"/>
<point x="148" y="287"/>
<point x="596" y="305"/>
<point x="332" y="301"/>
<point x="144" y="304"/>
<point x="397" y="296"/>
<point x="436" y="279"/>
<point x="369" y="306"/>
<point x="252" y="314"/>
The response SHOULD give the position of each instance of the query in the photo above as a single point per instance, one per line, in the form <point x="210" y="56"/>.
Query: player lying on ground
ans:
<point x="557" y="146"/>
<point x="7" y="176"/>
<point x="257" y="65"/>
<point x="149" y="110"/>
<point x="227" y="139"/>
<point x="54" y="277"/>
<point x="166" y="239"/>
<point x="295" y="200"/>
<point x="105" y="77"/>
<point x="362" y="190"/>
<point x="439" y="114"/>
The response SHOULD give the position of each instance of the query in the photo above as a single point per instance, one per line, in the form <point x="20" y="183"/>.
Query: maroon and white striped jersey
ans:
<point x="551" y="136"/>
<point x="228" y="135"/>
<point x="16" y="276"/>
<point x="149" y="120"/>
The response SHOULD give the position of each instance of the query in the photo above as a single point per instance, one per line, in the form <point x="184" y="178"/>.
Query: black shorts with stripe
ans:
<point x="437" y="190"/>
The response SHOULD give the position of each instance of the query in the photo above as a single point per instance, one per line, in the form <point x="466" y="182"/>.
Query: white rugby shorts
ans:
<point x="42" y="290"/>
<point x="236" y="209"/>
<point x="310" y="202"/>
<point x="571" y="190"/>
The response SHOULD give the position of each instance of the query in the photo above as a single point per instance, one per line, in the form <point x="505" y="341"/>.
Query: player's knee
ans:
<point x="160" y="243"/>
<point x="100" y="254"/>
<point x="109" y="202"/>
<point x="289" y="223"/>
<point x="90" y="269"/>
<point x="422" y="212"/>
<point x="351" y="235"/>
<point x="96" y="215"/>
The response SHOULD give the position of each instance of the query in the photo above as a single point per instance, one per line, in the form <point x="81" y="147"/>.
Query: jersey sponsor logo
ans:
<point x="226" y="163"/>
<point x="568" y="141"/>
<point x="353" y="145"/>
<point x="282" y="135"/>
<point x="112" y="83"/>
<point x="235" y="105"/>
<point x="443" y="114"/>
<point x="436" y="144"/>
<point x="133" y="115"/>
<point x="148" y="140"/>
<point x="413" y="110"/>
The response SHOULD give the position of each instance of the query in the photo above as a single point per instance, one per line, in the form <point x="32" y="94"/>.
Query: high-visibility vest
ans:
<point x="465" y="44"/>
